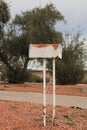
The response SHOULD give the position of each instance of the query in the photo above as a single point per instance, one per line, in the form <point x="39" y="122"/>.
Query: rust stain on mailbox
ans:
<point x="55" y="46"/>
<point x="45" y="51"/>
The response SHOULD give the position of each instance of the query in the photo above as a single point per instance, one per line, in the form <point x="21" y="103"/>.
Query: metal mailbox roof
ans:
<point x="45" y="51"/>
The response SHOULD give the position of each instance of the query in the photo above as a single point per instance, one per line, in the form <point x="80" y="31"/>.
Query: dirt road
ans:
<point x="61" y="100"/>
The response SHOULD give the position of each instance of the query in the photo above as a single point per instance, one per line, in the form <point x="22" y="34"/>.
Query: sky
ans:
<point x="74" y="11"/>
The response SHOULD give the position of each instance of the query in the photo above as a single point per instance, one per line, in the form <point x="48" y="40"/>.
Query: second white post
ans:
<point x="54" y="102"/>
<point x="44" y="91"/>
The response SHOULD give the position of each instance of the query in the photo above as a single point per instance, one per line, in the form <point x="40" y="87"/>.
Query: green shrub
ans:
<point x="84" y="80"/>
<point x="36" y="79"/>
<point x="70" y="69"/>
<point x="18" y="75"/>
<point x="68" y="73"/>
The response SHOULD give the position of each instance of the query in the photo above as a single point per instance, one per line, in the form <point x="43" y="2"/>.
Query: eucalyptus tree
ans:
<point x="33" y="26"/>
<point x="4" y="18"/>
<point x="37" y="26"/>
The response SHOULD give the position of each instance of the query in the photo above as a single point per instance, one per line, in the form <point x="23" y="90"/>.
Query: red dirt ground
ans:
<point x="29" y="116"/>
<point x="74" y="90"/>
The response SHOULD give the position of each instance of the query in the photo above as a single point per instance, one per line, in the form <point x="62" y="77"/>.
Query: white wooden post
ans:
<point x="54" y="103"/>
<point x="44" y="91"/>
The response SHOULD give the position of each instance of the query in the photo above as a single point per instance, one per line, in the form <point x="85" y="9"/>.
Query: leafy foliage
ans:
<point x="70" y="69"/>
<point x="19" y="75"/>
<point x="35" y="26"/>
<point x="4" y="12"/>
<point x="4" y="16"/>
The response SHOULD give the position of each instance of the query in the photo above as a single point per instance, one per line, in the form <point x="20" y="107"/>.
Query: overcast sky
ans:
<point x="74" y="11"/>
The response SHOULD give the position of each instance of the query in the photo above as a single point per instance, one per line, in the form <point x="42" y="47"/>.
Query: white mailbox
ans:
<point x="45" y="51"/>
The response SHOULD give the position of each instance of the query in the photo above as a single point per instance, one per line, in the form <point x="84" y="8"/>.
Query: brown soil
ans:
<point x="74" y="90"/>
<point x="29" y="116"/>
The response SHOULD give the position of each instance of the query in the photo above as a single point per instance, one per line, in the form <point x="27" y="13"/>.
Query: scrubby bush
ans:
<point x="84" y="80"/>
<point x="19" y="75"/>
<point x="70" y="69"/>
<point x="36" y="79"/>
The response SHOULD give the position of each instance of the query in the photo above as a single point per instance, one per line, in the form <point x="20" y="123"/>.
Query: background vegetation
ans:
<point x="37" y="26"/>
<point x="70" y="70"/>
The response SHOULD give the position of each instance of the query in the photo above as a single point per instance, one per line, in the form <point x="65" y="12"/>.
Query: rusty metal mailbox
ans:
<point x="45" y="51"/>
